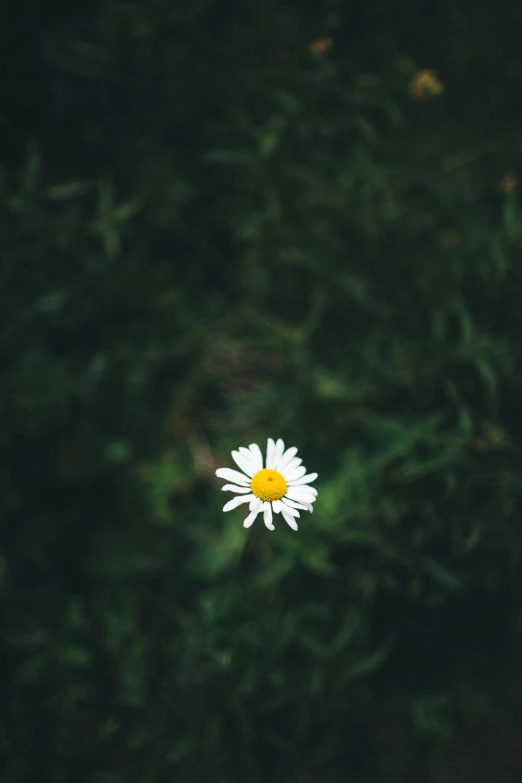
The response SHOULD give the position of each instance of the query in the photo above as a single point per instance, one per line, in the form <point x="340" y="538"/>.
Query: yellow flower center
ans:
<point x="268" y="485"/>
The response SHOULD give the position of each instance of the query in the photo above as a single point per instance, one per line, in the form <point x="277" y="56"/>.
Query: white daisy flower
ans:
<point x="281" y="487"/>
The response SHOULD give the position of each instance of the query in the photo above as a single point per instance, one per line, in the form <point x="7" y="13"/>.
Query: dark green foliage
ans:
<point x="211" y="236"/>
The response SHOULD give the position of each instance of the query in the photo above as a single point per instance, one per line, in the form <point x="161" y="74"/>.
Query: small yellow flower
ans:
<point x="320" y="46"/>
<point x="425" y="84"/>
<point x="508" y="184"/>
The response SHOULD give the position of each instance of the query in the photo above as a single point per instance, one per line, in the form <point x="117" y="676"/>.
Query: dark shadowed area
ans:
<point x="220" y="223"/>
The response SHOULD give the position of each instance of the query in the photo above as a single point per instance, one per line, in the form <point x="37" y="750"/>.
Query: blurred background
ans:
<point x="222" y="222"/>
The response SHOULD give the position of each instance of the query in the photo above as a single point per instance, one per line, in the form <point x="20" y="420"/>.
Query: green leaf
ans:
<point x="119" y="451"/>
<point x="271" y="136"/>
<point x="53" y="303"/>
<point x="33" y="170"/>
<point x="372" y="662"/>
<point x="69" y="190"/>
<point x="511" y="220"/>
<point x="442" y="575"/>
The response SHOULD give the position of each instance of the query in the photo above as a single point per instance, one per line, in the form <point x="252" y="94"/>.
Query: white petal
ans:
<point x="305" y="489"/>
<point x="293" y="504"/>
<point x="256" y="503"/>
<point x="302" y="489"/>
<point x="235" y="502"/>
<point x="276" y="506"/>
<point x="233" y="475"/>
<point x="267" y="515"/>
<point x="250" y="518"/>
<point x="288" y="469"/>
<point x="257" y="457"/>
<point x="244" y="462"/>
<point x="279" y="449"/>
<point x="305" y="479"/>
<point x="296" y="474"/>
<point x="270" y="449"/>
<point x="248" y="456"/>
<point x="289" y="520"/>
<point x="298" y="493"/>
<point x="233" y="488"/>
<point x="287" y="458"/>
